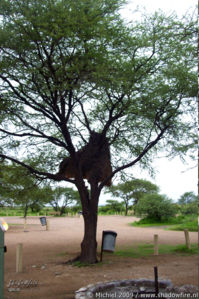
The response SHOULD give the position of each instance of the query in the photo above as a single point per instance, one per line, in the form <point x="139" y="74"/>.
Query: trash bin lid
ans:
<point x="110" y="232"/>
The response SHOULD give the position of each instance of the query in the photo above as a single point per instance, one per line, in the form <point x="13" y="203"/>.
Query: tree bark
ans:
<point x="90" y="209"/>
<point x="62" y="210"/>
<point x="25" y="210"/>
<point x="89" y="243"/>
<point x="126" y="210"/>
<point x="126" y="207"/>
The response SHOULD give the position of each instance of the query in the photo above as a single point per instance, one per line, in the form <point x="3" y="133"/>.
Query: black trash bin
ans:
<point x="108" y="238"/>
<point x="43" y="220"/>
<point x="108" y="241"/>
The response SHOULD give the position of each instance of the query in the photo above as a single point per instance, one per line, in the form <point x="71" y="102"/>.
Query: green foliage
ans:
<point x="144" y="250"/>
<point x="61" y="79"/>
<point x="36" y="207"/>
<point x="188" y="204"/>
<point x="87" y="70"/>
<point x="75" y="209"/>
<point x="112" y="207"/>
<point x="187" y="198"/>
<point x="189" y="209"/>
<point x="178" y="223"/>
<point x="63" y="197"/>
<point x="156" y="207"/>
<point x="19" y="211"/>
<point x="20" y="188"/>
<point x="132" y="191"/>
<point x="190" y="223"/>
<point x="147" y="222"/>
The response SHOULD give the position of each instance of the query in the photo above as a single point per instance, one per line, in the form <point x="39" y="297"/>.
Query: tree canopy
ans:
<point x="18" y="187"/>
<point x="69" y="68"/>
<point x="62" y="79"/>
<point x="63" y="197"/>
<point x="187" y="198"/>
<point x="132" y="191"/>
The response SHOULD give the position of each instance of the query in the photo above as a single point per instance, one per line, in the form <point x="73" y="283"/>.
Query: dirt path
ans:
<point x="45" y="251"/>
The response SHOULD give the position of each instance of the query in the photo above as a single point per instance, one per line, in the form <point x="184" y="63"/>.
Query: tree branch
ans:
<point x="35" y="106"/>
<point x="145" y="150"/>
<point x="39" y="174"/>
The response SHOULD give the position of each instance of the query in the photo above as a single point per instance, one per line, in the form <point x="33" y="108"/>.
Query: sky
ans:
<point x="172" y="176"/>
<point x="168" y="6"/>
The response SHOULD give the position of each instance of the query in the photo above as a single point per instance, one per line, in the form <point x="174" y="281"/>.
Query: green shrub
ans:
<point x="112" y="207"/>
<point x="190" y="224"/>
<point x="181" y="222"/>
<point x="155" y="207"/>
<point x="189" y="209"/>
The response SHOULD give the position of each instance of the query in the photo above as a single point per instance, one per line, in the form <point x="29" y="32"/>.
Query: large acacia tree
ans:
<point x="68" y="68"/>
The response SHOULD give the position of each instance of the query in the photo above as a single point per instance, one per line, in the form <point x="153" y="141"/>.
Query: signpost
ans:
<point x="3" y="228"/>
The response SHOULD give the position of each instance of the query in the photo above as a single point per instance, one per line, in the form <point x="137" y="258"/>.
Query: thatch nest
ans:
<point x="93" y="160"/>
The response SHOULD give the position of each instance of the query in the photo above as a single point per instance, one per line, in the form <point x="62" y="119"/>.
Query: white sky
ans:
<point x="172" y="176"/>
<point x="168" y="6"/>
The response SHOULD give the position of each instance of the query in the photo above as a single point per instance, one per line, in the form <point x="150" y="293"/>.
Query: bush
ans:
<point x="189" y="222"/>
<point x="189" y="209"/>
<point x="112" y="207"/>
<point x="155" y="207"/>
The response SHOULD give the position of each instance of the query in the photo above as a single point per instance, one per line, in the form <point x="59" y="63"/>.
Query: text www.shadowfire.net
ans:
<point x="137" y="295"/>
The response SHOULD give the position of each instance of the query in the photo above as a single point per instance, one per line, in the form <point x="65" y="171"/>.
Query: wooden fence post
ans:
<point x="187" y="239"/>
<point x="47" y="224"/>
<point x="156" y="245"/>
<point x="19" y="259"/>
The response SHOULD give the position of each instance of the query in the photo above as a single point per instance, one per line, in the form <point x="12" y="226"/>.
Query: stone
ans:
<point x="82" y="289"/>
<point x="89" y="295"/>
<point x="115" y="288"/>
<point x="90" y="285"/>
<point x="80" y="296"/>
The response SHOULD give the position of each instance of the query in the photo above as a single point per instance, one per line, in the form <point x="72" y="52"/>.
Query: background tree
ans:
<point x="132" y="191"/>
<point x="155" y="207"/>
<point x="85" y="71"/>
<point x="187" y="198"/>
<point x="62" y="198"/>
<point x="22" y="189"/>
<point x="4" y="199"/>
<point x="188" y="204"/>
<point x="112" y="207"/>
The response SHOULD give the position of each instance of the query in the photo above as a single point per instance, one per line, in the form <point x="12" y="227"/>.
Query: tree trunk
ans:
<point x="62" y="210"/>
<point x="90" y="208"/>
<point x="25" y="210"/>
<point x="89" y="243"/>
<point x="126" y="211"/>
<point x="126" y="208"/>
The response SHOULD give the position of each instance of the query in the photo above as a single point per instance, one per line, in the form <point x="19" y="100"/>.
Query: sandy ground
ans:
<point x="44" y="254"/>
